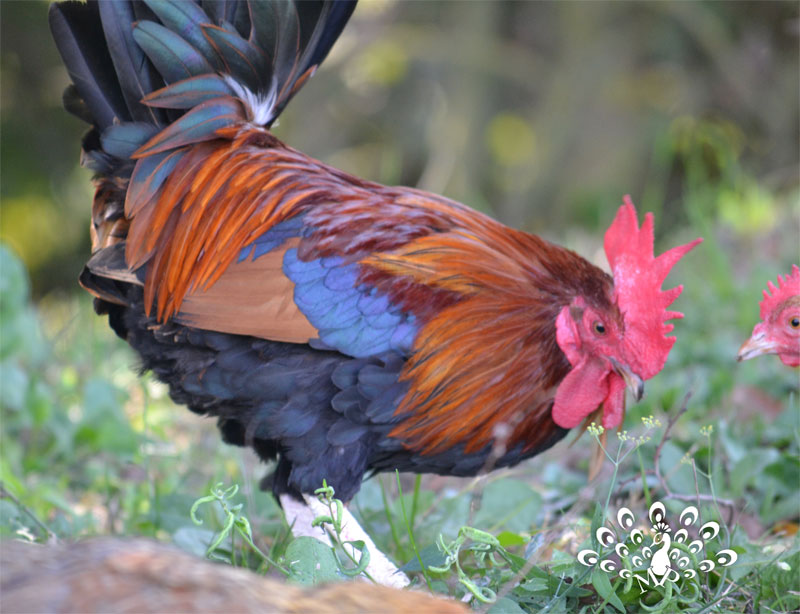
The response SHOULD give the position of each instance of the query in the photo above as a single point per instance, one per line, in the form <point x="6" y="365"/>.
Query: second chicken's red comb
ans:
<point x="788" y="285"/>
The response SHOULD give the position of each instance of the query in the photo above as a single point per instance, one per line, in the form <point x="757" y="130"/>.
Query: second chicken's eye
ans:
<point x="599" y="327"/>
<point x="794" y="321"/>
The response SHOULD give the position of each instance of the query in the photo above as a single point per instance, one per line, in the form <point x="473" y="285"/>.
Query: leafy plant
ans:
<point x="235" y="523"/>
<point x="356" y="551"/>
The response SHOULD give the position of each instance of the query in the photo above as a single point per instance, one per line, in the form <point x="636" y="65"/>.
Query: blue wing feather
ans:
<point x="350" y="316"/>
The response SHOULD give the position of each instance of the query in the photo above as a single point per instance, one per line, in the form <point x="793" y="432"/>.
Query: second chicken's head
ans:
<point x="779" y="329"/>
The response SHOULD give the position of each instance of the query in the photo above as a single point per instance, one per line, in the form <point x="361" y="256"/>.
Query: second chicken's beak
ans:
<point x="634" y="383"/>
<point x="757" y="345"/>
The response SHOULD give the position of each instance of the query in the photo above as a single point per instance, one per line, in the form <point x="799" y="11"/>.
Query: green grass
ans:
<point x="89" y="448"/>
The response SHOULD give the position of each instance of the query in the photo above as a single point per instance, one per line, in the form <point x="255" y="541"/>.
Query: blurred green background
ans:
<point x="543" y="114"/>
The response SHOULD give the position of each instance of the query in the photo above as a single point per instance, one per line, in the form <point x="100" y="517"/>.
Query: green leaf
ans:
<point x="779" y="583"/>
<point x="507" y="539"/>
<point x="311" y="562"/>
<point x="439" y="586"/>
<point x="361" y="554"/>
<point x="193" y="540"/>
<point x="506" y="606"/>
<point x="516" y="562"/>
<point x="597" y="521"/>
<point x="510" y="504"/>
<point x="40" y="403"/>
<point x="10" y="518"/>
<point x="13" y="386"/>
<point x="603" y="587"/>
<point x="13" y="282"/>
<point x="7" y="472"/>
<point x="321" y="520"/>
<point x="534" y="585"/>
<point x="751" y="468"/>
<point x="430" y="555"/>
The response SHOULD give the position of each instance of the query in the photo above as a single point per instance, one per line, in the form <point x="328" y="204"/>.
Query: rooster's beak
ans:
<point x="757" y="345"/>
<point x="634" y="383"/>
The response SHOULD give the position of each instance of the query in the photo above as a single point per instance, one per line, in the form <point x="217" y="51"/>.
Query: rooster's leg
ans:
<point x="300" y="515"/>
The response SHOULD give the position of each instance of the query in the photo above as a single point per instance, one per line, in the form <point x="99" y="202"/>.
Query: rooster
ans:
<point x="338" y="326"/>
<point x="779" y="329"/>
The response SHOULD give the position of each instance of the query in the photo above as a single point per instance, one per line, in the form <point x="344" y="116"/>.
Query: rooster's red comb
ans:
<point x="788" y="286"/>
<point x="638" y="276"/>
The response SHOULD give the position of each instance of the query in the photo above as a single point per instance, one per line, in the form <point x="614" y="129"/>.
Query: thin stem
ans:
<point x="5" y="494"/>
<point x="665" y="437"/>
<point x="388" y="513"/>
<point x="415" y="499"/>
<point x="411" y="532"/>
<point x="266" y="558"/>
<point x="643" y="473"/>
<point x="668" y="494"/>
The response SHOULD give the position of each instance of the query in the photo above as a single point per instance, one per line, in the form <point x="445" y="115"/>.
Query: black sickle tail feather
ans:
<point x="118" y="52"/>
<point x="110" y="73"/>
<point x="258" y="52"/>
<point x="153" y="77"/>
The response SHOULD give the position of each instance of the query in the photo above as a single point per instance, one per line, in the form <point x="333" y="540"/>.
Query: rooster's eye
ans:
<point x="599" y="327"/>
<point x="794" y="321"/>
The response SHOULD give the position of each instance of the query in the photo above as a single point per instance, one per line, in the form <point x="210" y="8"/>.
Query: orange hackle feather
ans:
<point x="221" y="196"/>
<point x="496" y="342"/>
